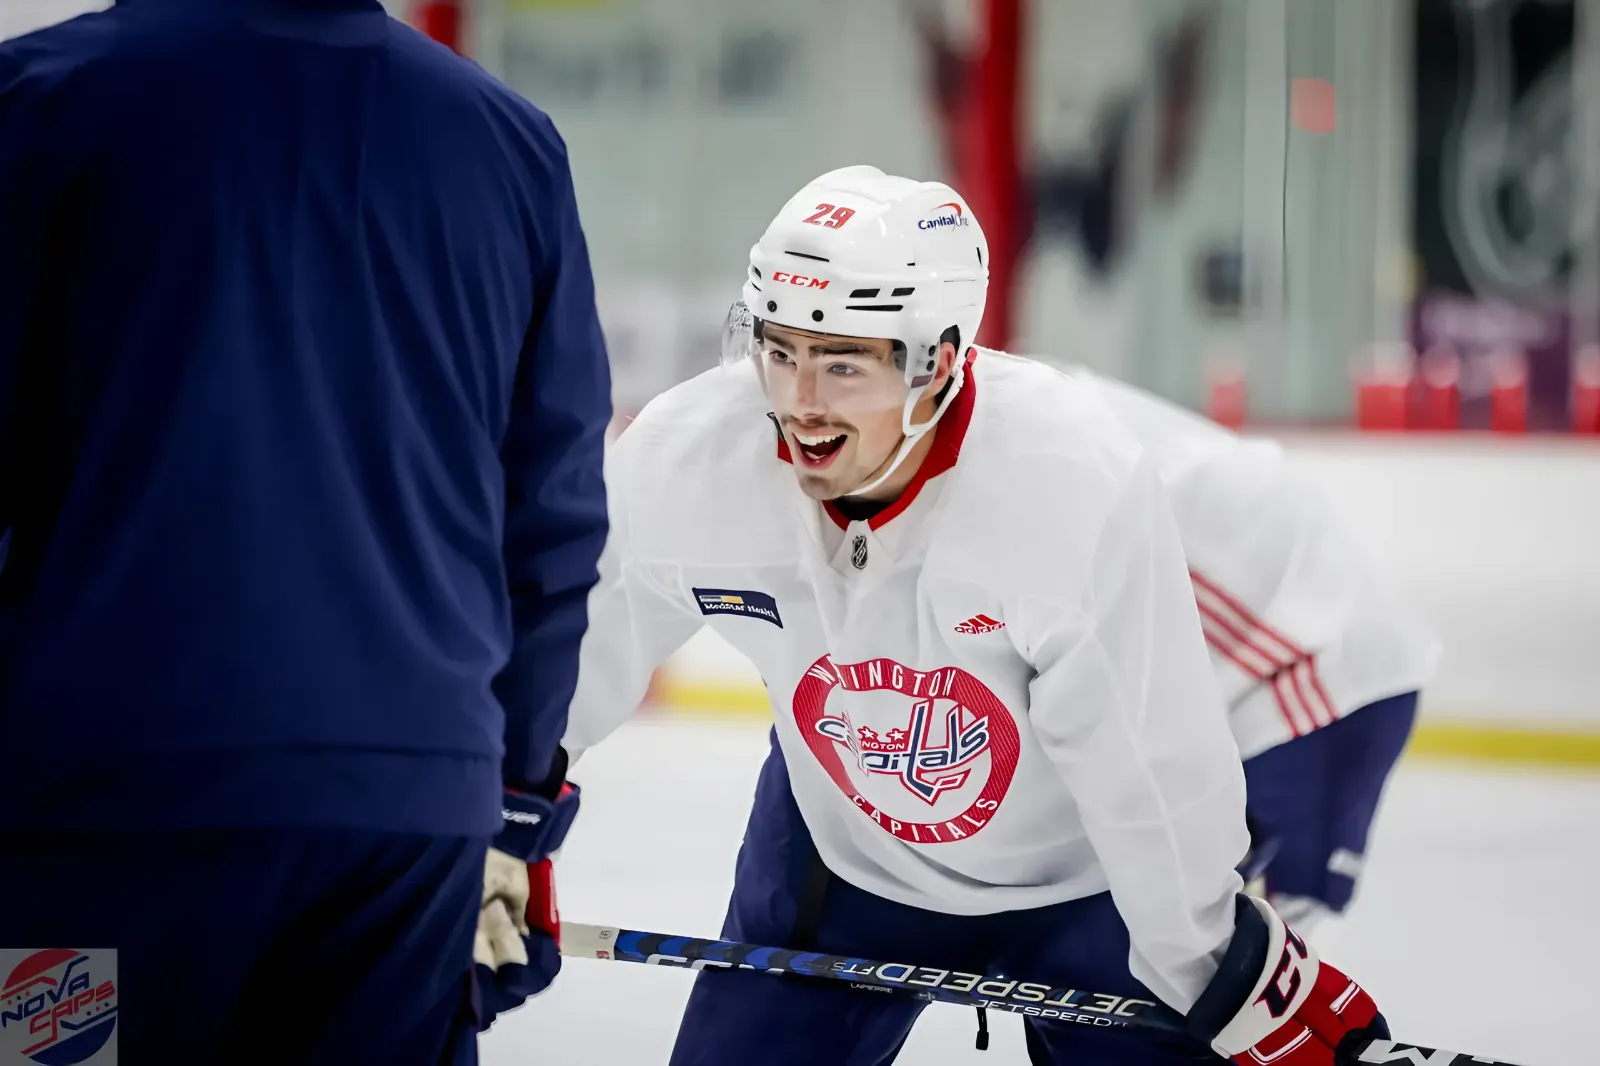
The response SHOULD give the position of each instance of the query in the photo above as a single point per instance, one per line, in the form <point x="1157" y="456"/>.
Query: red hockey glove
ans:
<point x="1273" y="1001"/>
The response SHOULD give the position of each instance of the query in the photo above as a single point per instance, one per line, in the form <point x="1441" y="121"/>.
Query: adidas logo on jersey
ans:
<point x="979" y="623"/>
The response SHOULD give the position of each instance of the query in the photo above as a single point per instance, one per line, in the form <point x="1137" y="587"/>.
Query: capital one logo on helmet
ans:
<point x="952" y="754"/>
<point x="799" y="279"/>
<point x="953" y="217"/>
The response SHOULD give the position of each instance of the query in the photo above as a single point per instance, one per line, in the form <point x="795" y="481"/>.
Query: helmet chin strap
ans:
<point x="913" y="433"/>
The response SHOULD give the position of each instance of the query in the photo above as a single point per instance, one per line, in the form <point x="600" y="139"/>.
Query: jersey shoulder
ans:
<point x="696" y="419"/>
<point x="1248" y="520"/>
<point x="1045" y="464"/>
<point x="697" y="473"/>
<point x="1206" y="468"/>
<point x="1037" y="432"/>
<point x="1185" y="444"/>
<point x="1174" y="435"/>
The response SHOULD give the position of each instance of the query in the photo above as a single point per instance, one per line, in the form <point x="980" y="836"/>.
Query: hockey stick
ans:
<point x="1083" y="1007"/>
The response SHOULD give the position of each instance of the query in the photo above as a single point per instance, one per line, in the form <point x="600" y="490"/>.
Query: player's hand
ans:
<point x="516" y="950"/>
<point x="1274" y="1001"/>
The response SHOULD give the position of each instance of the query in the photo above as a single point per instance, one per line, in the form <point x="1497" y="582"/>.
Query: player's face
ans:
<point x="839" y="402"/>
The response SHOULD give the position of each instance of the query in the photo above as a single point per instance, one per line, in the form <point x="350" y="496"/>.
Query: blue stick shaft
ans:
<point x="925" y="982"/>
<point x="992" y="992"/>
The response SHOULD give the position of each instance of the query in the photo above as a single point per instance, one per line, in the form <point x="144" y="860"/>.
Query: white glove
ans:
<point x="502" y="920"/>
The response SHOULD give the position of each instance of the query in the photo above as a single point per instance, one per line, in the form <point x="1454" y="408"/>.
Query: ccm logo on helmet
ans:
<point x="799" y="279"/>
<point x="954" y="217"/>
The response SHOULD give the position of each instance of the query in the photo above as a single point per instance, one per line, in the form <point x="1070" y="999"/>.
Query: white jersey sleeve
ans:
<point x="637" y="618"/>
<point x="1124" y="705"/>
<point x="1302" y="628"/>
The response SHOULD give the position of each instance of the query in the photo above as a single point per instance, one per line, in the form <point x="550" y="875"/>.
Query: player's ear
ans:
<point x="946" y="365"/>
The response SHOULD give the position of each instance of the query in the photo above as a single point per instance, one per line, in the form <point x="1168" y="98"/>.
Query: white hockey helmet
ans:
<point x="861" y="253"/>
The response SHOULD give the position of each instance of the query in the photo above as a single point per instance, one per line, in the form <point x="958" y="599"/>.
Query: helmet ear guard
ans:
<point x="930" y="367"/>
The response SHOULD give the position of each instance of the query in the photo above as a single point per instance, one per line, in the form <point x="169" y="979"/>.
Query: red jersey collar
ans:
<point x="942" y="455"/>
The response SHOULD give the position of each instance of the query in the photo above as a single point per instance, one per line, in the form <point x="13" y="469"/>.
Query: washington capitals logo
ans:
<point x="57" y="1007"/>
<point x="956" y="754"/>
<point x="927" y="767"/>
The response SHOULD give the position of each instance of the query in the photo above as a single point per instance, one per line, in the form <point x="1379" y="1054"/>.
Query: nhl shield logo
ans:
<point x="858" y="552"/>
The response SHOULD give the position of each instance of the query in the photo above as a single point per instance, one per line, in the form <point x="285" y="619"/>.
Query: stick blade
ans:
<point x="1398" y="1053"/>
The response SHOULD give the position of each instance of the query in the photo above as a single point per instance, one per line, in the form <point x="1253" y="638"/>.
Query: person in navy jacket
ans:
<point x="303" y="397"/>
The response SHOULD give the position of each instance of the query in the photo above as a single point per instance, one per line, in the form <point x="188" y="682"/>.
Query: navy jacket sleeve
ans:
<point x="555" y="523"/>
<point x="23" y="209"/>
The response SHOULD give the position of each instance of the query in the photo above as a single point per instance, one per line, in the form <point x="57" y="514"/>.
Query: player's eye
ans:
<point x="842" y="370"/>
<point x="778" y="356"/>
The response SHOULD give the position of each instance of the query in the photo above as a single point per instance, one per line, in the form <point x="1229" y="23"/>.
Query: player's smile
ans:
<point x="818" y="447"/>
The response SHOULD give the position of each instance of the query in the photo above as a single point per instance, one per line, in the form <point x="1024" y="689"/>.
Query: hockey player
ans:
<point x="1004" y="750"/>
<point x="1303" y="635"/>
<point x="303" y="399"/>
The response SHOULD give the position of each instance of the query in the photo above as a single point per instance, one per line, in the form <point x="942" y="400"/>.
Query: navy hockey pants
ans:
<point x="284" y="946"/>
<point x="783" y="896"/>
<point x="1312" y="800"/>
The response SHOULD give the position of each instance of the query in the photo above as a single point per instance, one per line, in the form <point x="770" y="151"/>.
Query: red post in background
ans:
<point x="988" y="157"/>
<point x="976" y="88"/>
<point x="443" y="20"/>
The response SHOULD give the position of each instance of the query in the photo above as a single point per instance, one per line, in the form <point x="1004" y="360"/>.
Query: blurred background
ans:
<point x="1366" y="228"/>
<point x="1186" y="193"/>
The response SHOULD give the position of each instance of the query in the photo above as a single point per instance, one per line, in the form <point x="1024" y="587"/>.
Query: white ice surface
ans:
<point x="1477" y="927"/>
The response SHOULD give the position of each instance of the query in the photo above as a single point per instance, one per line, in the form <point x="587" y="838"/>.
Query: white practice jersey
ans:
<point x="994" y="695"/>
<point x="1302" y="630"/>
